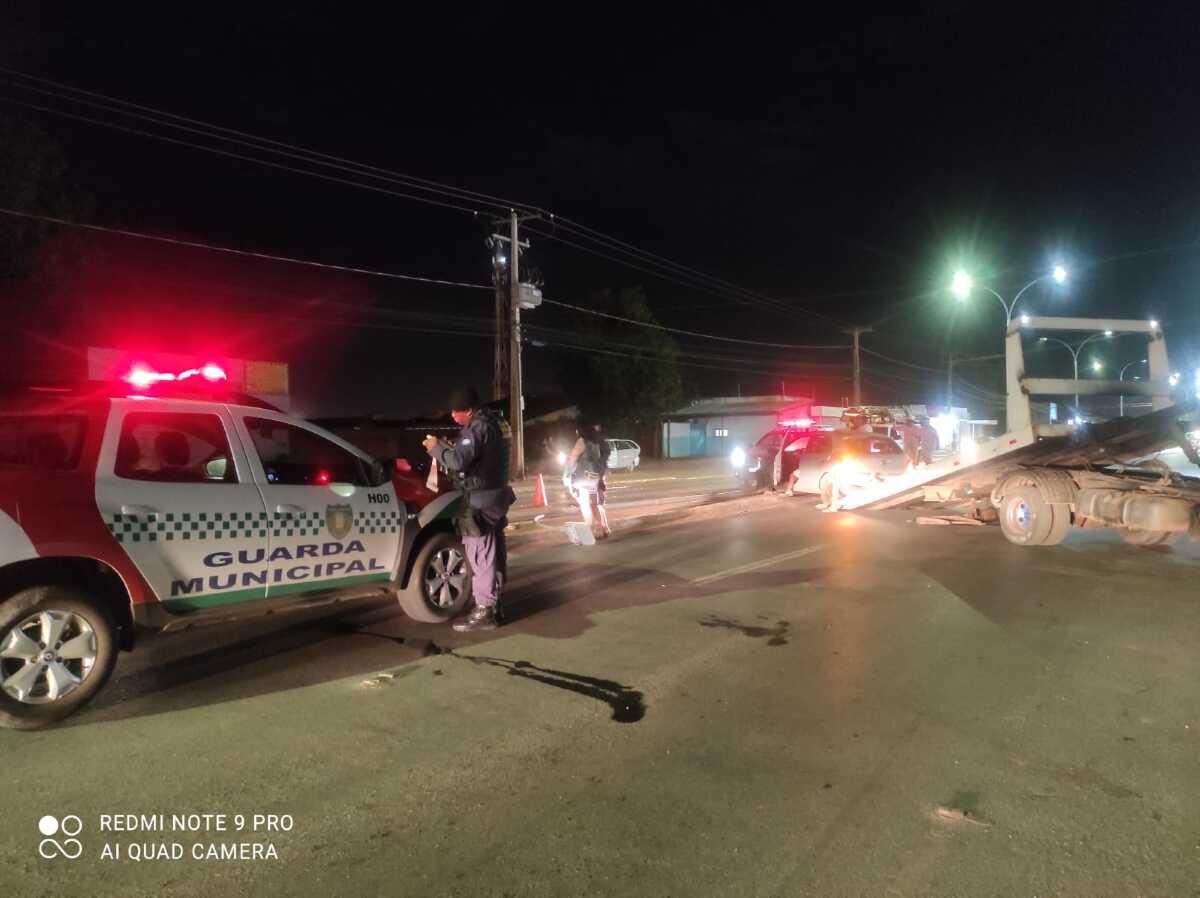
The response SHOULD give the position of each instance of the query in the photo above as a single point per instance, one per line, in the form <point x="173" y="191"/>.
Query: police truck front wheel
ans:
<point x="57" y="649"/>
<point x="439" y="586"/>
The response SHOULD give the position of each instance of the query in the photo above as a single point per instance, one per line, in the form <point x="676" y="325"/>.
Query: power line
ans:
<point x="595" y="236"/>
<point x="659" y="274"/>
<point x="887" y="358"/>
<point x="251" y="141"/>
<point x="232" y="155"/>
<point x="675" y="330"/>
<point x="270" y="145"/>
<point x="483" y="323"/>
<point x="193" y="244"/>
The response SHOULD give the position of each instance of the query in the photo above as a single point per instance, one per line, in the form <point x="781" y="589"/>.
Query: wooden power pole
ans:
<point x="507" y="373"/>
<point x="500" y="367"/>
<point x="857" y="332"/>
<point x="516" y="396"/>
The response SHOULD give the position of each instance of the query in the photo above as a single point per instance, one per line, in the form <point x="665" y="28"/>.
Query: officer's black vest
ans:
<point x="491" y="468"/>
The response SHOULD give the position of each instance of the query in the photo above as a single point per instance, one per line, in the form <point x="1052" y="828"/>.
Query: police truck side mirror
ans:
<point x="379" y="473"/>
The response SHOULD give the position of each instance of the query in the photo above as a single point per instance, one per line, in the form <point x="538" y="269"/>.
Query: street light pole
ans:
<point x="1075" y="351"/>
<point x="963" y="283"/>
<point x="1121" y="376"/>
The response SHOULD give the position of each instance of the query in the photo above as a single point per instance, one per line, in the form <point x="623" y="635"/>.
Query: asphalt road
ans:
<point x="655" y="482"/>
<point x="777" y="703"/>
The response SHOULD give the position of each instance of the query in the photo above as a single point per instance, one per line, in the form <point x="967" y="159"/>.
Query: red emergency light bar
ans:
<point x="799" y="422"/>
<point x="142" y="376"/>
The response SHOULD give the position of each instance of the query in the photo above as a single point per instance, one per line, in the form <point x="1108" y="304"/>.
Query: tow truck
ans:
<point x="1041" y="478"/>
<point x="169" y="501"/>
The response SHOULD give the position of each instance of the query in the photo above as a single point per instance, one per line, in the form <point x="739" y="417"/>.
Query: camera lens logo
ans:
<point x="70" y="847"/>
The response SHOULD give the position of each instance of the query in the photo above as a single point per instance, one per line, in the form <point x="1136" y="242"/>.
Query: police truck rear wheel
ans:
<point x="57" y="649"/>
<point x="439" y="586"/>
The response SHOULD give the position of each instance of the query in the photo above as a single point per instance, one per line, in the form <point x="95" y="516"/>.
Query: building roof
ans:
<point x="732" y="406"/>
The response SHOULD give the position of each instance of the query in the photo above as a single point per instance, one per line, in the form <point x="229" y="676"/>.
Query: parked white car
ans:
<point x="623" y="455"/>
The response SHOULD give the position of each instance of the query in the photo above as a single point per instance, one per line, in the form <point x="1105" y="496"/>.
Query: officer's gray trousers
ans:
<point x="488" y="557"/>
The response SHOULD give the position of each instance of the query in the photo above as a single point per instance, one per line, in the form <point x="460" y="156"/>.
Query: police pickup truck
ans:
<point x="163" y="506"/>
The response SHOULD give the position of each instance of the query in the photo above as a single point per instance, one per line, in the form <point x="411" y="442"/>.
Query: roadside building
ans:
<point x="713" y="427"/>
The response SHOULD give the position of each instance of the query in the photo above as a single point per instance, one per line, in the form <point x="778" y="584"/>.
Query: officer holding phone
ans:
<point x="478" y="463"/>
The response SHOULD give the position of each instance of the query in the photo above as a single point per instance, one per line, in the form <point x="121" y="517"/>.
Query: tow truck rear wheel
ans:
<point x="57" y="649"/>
<point x="439" y="586"/>
<point x="1027" y="519"/>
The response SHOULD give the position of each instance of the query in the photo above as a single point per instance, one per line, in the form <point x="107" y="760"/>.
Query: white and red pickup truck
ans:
<point x="161" y="506"/>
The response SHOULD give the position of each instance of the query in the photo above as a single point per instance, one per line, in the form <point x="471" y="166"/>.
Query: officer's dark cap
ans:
<point x="464" y="399"/>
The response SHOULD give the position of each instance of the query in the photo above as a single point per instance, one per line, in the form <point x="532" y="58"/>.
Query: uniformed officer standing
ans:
<point x="479" y="464"/>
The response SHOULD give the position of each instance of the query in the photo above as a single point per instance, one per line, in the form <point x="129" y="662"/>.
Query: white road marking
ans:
<point x="766" y="562"/>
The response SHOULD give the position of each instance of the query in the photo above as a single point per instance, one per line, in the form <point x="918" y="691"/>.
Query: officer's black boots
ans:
<point x="478" y="619"/>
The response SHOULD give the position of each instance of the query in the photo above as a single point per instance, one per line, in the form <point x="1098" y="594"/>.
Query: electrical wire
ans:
<point x="595" y="236"/>
<point x="674" y="330"/>
<point x="887" y="358"/>
<point x="194" y="244"/>
<point x="242" y="156"/>
<point x="777" y="308"/>
<point x="263" y="144"/>
<point x="208" y="128"/>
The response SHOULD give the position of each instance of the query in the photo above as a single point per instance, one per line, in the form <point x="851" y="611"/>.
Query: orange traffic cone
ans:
<point x="539" y="494"/>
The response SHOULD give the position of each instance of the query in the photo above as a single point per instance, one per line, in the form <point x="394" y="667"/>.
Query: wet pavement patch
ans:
<point x="628" y="705"/>
<point x="776" y="635"/>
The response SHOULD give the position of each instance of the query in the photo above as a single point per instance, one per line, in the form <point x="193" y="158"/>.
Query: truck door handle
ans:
<point x="289" y="509"/>
<point x="139" y="510"/>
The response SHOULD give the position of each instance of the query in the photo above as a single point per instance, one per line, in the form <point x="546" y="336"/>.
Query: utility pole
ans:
<point x="950" y="382"/>
<point x="516" y="398"/>
<point x="500" y="366"/>
<point x="506" y="373"/>
<point x="856" y="332"/>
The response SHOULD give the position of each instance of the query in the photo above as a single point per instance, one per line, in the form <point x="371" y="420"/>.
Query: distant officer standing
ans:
<point x="479" y="464"/>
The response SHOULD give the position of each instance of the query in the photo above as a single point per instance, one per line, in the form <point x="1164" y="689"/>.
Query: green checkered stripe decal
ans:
<point x="306" y="523"/>
<point x="217" y="525"/>
<point x="202" y="525"/>
<point x="373" y="522"/>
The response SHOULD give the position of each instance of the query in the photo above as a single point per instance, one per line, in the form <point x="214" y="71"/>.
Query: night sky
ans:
<point x="841" y="163"/>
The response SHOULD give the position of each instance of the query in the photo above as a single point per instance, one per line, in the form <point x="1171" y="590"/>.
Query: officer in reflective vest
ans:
<point x="478" y="462"/>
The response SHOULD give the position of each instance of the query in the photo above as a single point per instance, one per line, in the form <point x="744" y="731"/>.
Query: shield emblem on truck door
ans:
<point x="338" y="520"/>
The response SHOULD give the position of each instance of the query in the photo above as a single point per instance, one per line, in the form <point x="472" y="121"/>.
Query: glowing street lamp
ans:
<point x="1097" y="365"/>
<point x="962" y="284"/>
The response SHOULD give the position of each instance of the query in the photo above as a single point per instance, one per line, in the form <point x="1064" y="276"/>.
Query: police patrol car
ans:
<point x="170" y="501"/>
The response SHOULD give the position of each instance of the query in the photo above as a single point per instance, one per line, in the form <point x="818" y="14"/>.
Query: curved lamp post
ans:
<point x="963" y="283"/>
<point x="1075" y="350"/>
